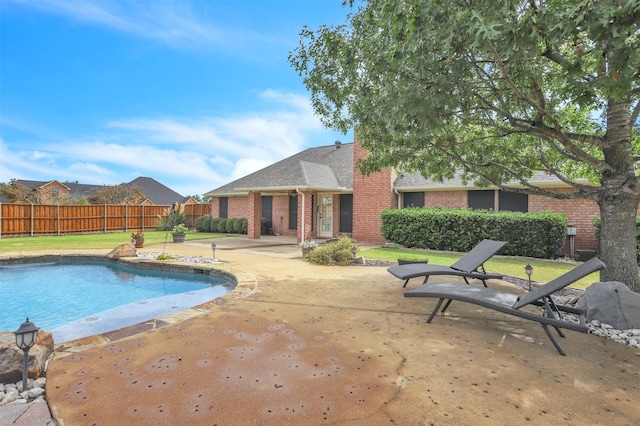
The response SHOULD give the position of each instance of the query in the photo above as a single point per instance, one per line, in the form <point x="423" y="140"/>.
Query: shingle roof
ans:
<point x="76" y="190"/>
<point x="322" y="168"/>
<point x="416" y="182"/>
<point x="158" y="193"/>
<point x="329" y="168"/>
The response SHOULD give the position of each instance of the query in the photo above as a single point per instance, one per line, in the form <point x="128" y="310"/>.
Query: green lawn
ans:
<point x="543" y="270"/>
<point x="92" y="241"/>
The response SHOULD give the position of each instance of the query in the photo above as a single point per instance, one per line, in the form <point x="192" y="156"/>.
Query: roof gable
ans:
<point x="156" y="192"/>
<point x="322" y="168"/>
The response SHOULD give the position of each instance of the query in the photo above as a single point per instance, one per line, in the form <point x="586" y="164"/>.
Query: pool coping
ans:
<point x="240" y="289"/>
<point x="146" y="264"/>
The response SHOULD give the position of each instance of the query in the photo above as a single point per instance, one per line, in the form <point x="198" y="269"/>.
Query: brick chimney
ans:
<point x="371" y="195"/>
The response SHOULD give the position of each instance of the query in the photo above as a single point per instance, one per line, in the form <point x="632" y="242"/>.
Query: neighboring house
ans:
<point x="319" y="193"/>
<point x="52" y="192"/>
<point x="159" y="194"/>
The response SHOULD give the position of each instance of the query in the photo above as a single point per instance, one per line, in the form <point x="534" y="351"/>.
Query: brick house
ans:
<point x="54" y="192"/>
<point x="319" y="193"/>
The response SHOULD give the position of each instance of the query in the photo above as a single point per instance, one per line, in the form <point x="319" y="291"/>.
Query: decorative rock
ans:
<point x="9" y="398"/>
<point x="123" y="250"/>
<point x="34" y="393"/>
<point x="611" y="303"/>
<point x="21" y="387"/>
<point x="188" y="259"/>
<point x="11" y="357"/>
<point x="13" y="396"/>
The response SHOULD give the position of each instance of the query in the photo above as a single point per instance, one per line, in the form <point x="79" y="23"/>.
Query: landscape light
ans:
<point x="529" y="270"/>
<point x="26" y="337"/>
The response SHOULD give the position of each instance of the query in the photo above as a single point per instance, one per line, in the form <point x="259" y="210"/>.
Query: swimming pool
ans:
<point x="77" y="298"/>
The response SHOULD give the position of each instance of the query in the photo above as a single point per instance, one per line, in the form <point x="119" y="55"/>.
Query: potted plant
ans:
<point x="138" y="238"/>
<point x="307" y="246"/>
<point x="172" y="217"/>
<point x="179" y="232"/>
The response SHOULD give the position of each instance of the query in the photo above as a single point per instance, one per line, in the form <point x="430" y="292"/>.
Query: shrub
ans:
<point x="214" y="225"/>
<point x="244" y="226"/>
<point x="334" y="253"/>
<point x="171" y="217"/>
<point x="237" y="226"/>
<point x="539" y="235"/>
<point x="203" y="223"/>
<point x="222" y="225"/>
<point x="264" y="226"/>
<point x="231" y="225"/>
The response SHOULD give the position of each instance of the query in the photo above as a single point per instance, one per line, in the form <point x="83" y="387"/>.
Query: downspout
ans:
<point x="302" y="224"/>
<point x="398" y="197"/>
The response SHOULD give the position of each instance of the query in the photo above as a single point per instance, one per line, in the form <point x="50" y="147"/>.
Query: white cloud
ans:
<point x="92" y="168"/>
<point x="190" y="155"/>
<point x="173" y="23"/>
<point x="246" y="166"/>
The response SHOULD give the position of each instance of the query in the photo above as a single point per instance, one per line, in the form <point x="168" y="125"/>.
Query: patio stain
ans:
<point x="284" y="373"/>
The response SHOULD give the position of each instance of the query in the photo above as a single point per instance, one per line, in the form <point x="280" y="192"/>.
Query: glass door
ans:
<point x="325" y="218"/>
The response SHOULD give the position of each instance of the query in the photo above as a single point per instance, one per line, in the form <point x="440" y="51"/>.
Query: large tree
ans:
<point x="496" y="91"/>
<point x="16" y="192"/>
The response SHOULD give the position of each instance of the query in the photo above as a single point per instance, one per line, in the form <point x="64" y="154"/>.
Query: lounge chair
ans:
<point x="511" y="303"/>
<point x="471" y="265"/>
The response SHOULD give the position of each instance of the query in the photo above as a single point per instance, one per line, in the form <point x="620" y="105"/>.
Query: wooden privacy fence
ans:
<point x="50" y="219"/>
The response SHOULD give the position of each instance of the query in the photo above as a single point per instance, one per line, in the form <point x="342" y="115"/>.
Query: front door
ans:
<point x="325" y="218"/>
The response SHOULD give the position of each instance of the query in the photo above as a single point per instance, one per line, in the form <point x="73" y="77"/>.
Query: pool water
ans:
<point x="55" y="295"/>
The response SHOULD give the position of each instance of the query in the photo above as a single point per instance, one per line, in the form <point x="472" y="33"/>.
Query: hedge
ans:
<point x="540" y="235"/>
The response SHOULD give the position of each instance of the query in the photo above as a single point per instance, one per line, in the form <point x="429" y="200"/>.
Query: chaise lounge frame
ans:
<point x="511" y="304"/>
<point x="471" y="265"/>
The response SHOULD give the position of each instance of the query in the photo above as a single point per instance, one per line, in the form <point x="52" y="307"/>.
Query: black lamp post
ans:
<point x="529" y="270"/>
<point x="26" y="337"/>
<point x="213" y="249"/>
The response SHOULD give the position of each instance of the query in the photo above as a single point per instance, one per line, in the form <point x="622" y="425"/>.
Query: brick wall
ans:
<point x="254" y="207"/>
<point x="336" y="215"/>
<point x="236" y="207"/>
<point x="306" y="233"/>
<point x="446" y="199"/>
<point x="372" y="195"/>
<point x="579" y="212"/>
<point x="46" y="193"/>
<point x="215" y="207"/>
<point x="281" y="215"/>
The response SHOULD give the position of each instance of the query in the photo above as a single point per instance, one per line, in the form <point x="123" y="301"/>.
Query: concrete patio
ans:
<point x="297" y="343"/>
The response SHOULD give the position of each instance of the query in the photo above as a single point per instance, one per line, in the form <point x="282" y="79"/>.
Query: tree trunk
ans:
<point x="618" y="199"/>
<point x="618" y="240"/>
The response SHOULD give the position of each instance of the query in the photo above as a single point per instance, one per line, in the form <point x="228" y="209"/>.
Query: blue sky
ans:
<point x="194" y="94"/>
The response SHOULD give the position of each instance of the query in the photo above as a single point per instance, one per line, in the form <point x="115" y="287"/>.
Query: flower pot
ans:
<point x="139" y="242"/>
<point x="178" y="237"/>
<point x="306" y="251"/>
